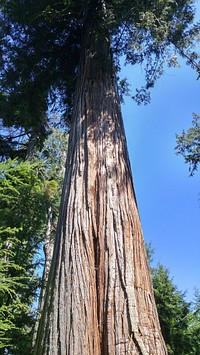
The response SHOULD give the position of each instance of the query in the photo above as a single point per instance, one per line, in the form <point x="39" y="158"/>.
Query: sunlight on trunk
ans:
<point x="99" y="298"/>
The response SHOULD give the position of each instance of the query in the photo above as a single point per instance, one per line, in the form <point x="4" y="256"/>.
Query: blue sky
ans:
<point x="168" y="199"/>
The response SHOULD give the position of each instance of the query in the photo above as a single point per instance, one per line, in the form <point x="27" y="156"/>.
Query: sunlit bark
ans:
<point x="99" y="298"/>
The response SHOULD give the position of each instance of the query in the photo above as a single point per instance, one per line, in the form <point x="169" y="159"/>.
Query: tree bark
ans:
<point x="48" y="253"/>
<point x="99" y="297"/>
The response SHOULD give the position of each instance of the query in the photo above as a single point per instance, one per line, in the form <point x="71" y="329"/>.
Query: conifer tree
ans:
<point x="23" y="210"/>
<point x="34" y="187"/>
<point x="188" y="145"/>
<point x="174" y="313"/>
<point x="99" y="296"/>
<point x="179" y="318"/>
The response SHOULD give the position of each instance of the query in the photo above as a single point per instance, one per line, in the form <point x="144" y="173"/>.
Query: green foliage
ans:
<point x="53" y="155"/>
<point x="188" y="145"/>
<point x="195" y="323"/>
<point x="8" y="290"/>
<point x="23" y="212"/>
<point x="179" y="319"/>
<point x="53" y="158"/>
<point x="40" y="42"/>
<point x="27" y="190"/>
<point x="173" y="312"/>
<point x="150" y="252"/>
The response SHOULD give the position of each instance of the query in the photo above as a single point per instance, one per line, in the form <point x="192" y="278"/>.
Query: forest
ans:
<point x="74" y="267"/>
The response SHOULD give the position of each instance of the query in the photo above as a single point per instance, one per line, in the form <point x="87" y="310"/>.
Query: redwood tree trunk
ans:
<point x="99" y="297"/>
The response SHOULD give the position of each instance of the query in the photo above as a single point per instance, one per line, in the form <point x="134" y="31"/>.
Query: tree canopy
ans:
<point x="40" y="44"/>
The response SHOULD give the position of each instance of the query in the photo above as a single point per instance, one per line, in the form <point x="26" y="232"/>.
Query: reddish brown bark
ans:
<point x="99" y="298"/>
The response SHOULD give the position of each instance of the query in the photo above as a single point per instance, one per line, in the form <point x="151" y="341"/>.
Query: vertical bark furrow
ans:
<point x="99" y="297"/>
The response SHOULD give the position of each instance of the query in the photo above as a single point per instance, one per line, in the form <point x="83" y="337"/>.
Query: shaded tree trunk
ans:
<point x="48" y="253"/>
<point x="99" y="297"/>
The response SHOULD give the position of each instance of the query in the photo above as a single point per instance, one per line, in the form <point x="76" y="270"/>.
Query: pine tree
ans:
<point x="99" y="296"/>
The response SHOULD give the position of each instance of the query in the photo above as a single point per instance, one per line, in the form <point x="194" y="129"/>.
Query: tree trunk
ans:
<point x="48" y="253"/>
<point x="99" y="298"/>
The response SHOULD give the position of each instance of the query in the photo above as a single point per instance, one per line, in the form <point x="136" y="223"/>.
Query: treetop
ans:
<point x="41" y="42"/>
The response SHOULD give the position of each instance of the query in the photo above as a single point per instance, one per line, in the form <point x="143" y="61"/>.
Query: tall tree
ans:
<point x="99" y="296"/>
<point x="95" y="265"/>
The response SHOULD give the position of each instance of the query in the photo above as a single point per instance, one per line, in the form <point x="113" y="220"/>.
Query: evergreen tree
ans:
<point x="23" y="211"/>
<point x="179" y="319"/>
<point x="99" y="294"/>
<point x="41" y="45"/>
<point x="174" y="313"/>
<point x="188" y="145"/>
<point x="8" y="287"/>
<point x="53" y="157"/>
<point x="34" y="187"/>
<point x="195" y="324"/>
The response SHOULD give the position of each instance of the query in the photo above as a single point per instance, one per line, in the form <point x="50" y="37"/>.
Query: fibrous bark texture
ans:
<point x="99" y="298"/>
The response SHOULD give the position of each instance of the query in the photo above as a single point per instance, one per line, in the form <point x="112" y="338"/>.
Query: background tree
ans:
<point x="195" y="323"/>
<point x="188" y="145"/>
<point x="22" y="193"/>
<point x="53" y="158"/>
<point x="173" y="312"/>
<point x="99" y="270"/>
<point x="35" y="188"/>
<point x="179" y="318"/>
<point x="8" y="310"/>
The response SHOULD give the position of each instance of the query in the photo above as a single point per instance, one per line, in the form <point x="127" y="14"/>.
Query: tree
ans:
<point x="29" y="187"/>
<point x="23" y="191"/>
<point x="99" y="296"/>
<point x="8" y="287"/>
<point x="188" y="145"/>
<point x="195" y="323"/>
<point x="53" y="157"/>
<point x="179" y="319"/>
<point x="174" y="313"/>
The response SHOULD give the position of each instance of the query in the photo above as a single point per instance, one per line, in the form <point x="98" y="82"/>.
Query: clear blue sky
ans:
<point x="169" y="200"/>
